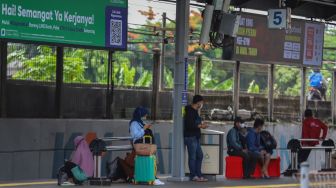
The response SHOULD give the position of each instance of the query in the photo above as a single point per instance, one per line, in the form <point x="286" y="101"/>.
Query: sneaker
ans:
<point x="67" y="183"/>
<point x="158" y="182"/>
<point x="202" y="179"/>
<point x="195" y="178"/>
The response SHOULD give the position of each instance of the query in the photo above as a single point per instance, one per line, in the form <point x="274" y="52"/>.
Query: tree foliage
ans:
<point x="133" y="68"/>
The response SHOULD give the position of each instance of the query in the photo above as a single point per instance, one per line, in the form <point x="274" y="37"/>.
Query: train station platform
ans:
<point x="282" y="182"/>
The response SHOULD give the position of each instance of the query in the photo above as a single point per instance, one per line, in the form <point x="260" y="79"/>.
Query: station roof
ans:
<point x="320" y="9"/>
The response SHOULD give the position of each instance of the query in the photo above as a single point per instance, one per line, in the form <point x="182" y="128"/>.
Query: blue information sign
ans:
<point x="185" y="91"/>
<point x="116" y="28"/>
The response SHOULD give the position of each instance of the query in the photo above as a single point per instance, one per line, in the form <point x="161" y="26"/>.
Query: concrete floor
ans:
<point x="258" y="183"/>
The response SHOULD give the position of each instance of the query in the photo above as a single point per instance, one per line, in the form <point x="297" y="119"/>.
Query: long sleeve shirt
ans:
<point x="233" y="140"/>
<point x="136" y="130"/>
<point x="191" y="122"/>
<point x="312" y="130"/>
<point x="253" y="141"/>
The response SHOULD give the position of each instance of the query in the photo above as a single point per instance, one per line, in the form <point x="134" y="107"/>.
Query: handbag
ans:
<point x="145" y="149"/>
<point x="78" y="174"/>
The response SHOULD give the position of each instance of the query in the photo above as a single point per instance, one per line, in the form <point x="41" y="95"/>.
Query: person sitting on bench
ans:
<point x="236" y="148"/>
<point x="254" y="146"/>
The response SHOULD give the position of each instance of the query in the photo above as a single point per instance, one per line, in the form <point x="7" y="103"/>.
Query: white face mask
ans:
<point x="201" y="106"/>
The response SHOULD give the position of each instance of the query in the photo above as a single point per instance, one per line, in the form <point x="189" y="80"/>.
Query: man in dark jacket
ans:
<point x="236" y="148"/>
<point x="192" y="134"/>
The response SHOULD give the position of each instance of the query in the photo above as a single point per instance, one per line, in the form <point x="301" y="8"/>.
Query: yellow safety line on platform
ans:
<point x="27" y="184"/>
<point x="262" y="186"/>
<point x="277" y="185"/>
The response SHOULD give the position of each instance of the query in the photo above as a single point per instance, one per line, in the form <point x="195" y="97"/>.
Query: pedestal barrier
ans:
<point x="295" y="146"/>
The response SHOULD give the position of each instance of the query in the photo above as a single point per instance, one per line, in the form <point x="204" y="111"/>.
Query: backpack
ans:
<point x="267" y="140"/>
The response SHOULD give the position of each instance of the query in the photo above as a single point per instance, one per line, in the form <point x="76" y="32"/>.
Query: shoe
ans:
<point x="195" y="178"/>
<point x="266" y="177"/>
<point x="67" y="183"/>
<point x="158" y="182"/>
<point x="202" y="179"/>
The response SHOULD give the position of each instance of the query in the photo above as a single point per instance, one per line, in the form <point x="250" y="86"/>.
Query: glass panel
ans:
<point x="133" y="69"/>
<point x="31" y="62"/>
<point x="287" y="89"/>
<point x="85" y="66"/>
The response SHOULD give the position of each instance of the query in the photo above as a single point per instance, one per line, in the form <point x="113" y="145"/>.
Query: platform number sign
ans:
<point x="278" y="18"/>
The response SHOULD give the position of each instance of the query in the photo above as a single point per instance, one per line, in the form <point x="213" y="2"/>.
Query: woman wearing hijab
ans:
<point x="81" y="157"/>
<point x="138" y="129"/>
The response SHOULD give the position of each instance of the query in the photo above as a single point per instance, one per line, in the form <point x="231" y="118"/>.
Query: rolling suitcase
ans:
<point x="145" y="169"/>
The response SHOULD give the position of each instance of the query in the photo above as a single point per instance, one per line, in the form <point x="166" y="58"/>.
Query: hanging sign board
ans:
<point x="101" y="24"/>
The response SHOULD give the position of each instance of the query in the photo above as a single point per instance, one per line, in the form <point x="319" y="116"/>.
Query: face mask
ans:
<point x="201" y="106"/>
<point x="144" y="118"/>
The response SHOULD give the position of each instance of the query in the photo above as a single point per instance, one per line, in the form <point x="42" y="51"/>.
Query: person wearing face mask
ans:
<point x="138" y="128"/>
<point x="254" y="146"/>
<point x="237" y="146"/>
<point x="192" y="134"/>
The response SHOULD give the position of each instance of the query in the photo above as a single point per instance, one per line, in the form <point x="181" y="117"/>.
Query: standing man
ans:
<point x="236" y="148"/>
<point x="311" y="129"/>
<point x="192" y="134"/>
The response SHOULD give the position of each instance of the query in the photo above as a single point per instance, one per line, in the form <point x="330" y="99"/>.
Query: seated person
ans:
<point x="138" y="129"/>
<point x="82" y="157"/>
<point x="236" y="148"/>
<point x="254" y="146"/>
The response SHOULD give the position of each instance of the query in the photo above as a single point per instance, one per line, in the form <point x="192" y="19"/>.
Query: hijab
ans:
<point x="82" y="156"/>
<point x="138" y="114"/>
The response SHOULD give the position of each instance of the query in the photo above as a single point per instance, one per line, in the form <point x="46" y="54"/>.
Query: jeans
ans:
<point x="195" y="155"/>
<point x="303" y="155"/>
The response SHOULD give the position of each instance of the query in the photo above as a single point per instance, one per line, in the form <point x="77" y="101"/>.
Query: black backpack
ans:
<point x="267" y="140"/>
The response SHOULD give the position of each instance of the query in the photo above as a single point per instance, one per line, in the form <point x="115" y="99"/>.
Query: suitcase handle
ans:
<point x="147" y="136"/>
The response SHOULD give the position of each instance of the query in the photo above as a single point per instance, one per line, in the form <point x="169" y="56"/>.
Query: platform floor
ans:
<point x="258" y="183"/>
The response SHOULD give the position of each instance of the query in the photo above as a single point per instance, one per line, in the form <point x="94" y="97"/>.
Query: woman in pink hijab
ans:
<point x="82" y="156"/>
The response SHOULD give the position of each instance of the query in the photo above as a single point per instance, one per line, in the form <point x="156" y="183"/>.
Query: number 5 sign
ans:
<point x="278" y="18"/>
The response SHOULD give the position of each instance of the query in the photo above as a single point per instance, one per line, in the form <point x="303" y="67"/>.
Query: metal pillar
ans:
<point x="3" y="78"/>
<point x="156" y="83"/>
<point x="236" y="88"/>
<point x="270" y="92"/>
<point x="59" y="81"/>
<point x="163" y="50"/>
<point x="182" y="29"/>
<point x="333" y="98"/>
<point x="109" y="85"/>
<point x="198" y="73"/>
<point x="303" y="101"/>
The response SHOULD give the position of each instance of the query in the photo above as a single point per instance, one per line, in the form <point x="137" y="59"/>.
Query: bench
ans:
<point x="234" y="168"/>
